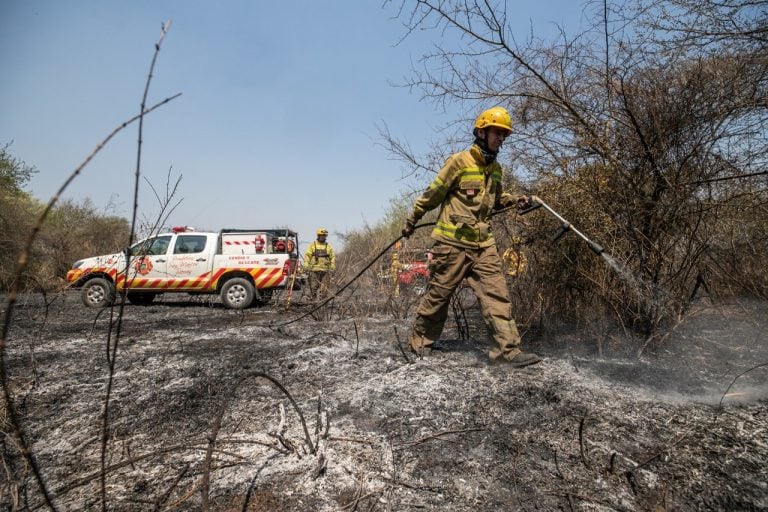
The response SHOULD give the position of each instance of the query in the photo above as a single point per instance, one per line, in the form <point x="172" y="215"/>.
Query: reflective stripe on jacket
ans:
<point x="319" y="256"/>
<point x="467" y="191"/>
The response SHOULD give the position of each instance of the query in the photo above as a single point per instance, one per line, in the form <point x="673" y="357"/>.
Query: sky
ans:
<point x="278" y="121"/>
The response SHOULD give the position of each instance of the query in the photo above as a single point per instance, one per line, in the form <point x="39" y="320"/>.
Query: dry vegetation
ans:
<point x="647" y="131"/>
<point x="72" y="231"/>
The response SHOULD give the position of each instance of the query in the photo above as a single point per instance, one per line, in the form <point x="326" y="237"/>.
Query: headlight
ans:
<point x="77" y="264"/>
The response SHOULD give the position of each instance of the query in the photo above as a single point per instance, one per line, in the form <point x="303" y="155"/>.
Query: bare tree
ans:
<point x="636" y="139"/>
<point x="712" y="26"/>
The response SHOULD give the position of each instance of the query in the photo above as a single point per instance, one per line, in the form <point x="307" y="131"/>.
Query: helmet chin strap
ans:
<point x="490" y="156"/>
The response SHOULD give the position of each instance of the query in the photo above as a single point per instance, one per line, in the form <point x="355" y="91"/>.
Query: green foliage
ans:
<point x="14" y="174"/>
<point x="72" y="231"/>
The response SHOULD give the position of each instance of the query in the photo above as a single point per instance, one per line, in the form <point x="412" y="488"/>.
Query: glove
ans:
<point x="407" y="229"/>
<point x="523" y="203"/>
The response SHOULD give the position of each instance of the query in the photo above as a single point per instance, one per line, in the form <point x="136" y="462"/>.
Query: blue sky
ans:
<point x="277" y="122"/>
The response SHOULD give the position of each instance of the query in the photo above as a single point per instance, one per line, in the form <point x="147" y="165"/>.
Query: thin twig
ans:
<point x="435" y="436"/>
<point x="582" y="448"/>
<point x="12" y="296"/>
<point x="357" y="337"/>
<point x="112" y="347"/>
<point x="97" y="474"/>
<point x="253" y="482"/>
<point x="400" y="346"/>
<point x="658" y="454"/>
<point x="735" y="378"/>
<point x="167" y="494"/>
<point x="205" y="489"/>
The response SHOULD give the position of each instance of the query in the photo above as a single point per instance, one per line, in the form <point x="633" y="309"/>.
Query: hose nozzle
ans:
<point x="596" y="248"/>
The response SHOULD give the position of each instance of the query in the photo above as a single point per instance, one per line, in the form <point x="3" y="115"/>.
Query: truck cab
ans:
<point x="243" y="266"/>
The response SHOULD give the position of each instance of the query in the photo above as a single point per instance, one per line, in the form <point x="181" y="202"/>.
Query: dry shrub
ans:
<point x="651" y="142"/>
<point x="78" y="230"/>
<point x="662" y="254"/>
<point x="16" y="217"/>
<point x="373" y="291"/>
<point x="73" y="231"/>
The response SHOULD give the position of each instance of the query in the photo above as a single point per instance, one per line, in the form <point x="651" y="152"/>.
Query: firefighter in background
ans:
<point x="514" y="258"/>
<point x="319" y="261"/>
<point x="394" y="271"/>
<point x="467" y="189"/>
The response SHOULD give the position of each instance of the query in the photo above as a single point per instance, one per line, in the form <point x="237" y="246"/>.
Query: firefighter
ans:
<point x="319" y="260"/>
<point x="514" y="258"/>
<point x="467" y="189"/>
<point x="394" y="271"/>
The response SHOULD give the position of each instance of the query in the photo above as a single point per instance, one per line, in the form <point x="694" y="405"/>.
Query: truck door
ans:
<point x="190" y="260"/>
<point x="149" y="263"/>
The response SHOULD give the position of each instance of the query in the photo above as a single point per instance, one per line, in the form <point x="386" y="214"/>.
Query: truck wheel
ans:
<point x="141" y="299"/>
<point x="98" y="293"/>
<point x="237" y="293"/>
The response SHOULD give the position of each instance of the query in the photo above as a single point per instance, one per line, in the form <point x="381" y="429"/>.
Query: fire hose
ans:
<point x="536" y="203"/>
<point x="565" y="226"/>
<point x="357" y="276"/>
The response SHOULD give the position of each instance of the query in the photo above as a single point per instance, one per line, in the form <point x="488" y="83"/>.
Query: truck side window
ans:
<point x="159" y="246"/>
<point x="151" y="246"/>
<point x="189" y="244"/>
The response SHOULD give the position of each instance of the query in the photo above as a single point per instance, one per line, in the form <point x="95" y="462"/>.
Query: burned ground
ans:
<point x="674" y="429"/>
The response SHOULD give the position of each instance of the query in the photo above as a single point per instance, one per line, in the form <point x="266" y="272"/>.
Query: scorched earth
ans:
<point x="222" y="410"/>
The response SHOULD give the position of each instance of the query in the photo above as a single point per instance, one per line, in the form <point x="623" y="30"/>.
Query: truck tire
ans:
<point x="98" y="293"/>
<point x="237" y="293"/>
<point x="141" y="299"/>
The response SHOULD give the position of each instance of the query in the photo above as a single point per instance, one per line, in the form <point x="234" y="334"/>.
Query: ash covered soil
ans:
<point x="205" y="402"/>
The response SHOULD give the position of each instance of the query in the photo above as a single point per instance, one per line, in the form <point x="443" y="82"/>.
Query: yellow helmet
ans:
<point x="496" y="116"/>
<point x="322" y="232"/>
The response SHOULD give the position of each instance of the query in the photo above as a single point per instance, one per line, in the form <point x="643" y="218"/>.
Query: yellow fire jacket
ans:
<point x="515" y="261"/>
<point x="319" y="257"/>
<point x="467" y="191"/>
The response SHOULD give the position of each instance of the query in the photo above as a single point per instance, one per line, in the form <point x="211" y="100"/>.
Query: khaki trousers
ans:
<point x="318" y="287"/>
<point x="482" y="270"/>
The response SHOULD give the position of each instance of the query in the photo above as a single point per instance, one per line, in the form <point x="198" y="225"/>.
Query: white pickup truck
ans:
<point x="242" y="266"/>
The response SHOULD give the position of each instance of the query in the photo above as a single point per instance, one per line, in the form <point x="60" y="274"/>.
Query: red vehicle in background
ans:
<point x="414" y="273"/>
<point x="408" y="271"/>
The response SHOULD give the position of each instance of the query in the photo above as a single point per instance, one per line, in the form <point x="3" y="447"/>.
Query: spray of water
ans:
<point x="615" y="265"/>
<point x="714" y="347"/>
<point x="651" y="295"/>
<point x="692" y="370"/>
